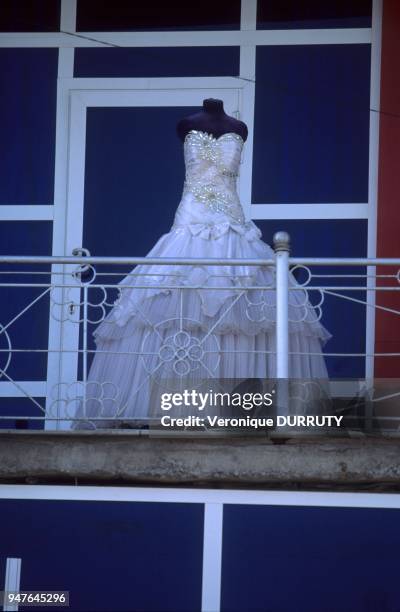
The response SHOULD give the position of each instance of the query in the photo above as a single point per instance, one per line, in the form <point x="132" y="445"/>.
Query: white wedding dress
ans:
<point x="158" y="330"/>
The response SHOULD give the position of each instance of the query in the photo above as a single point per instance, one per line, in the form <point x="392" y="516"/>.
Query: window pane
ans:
<point x="103" y="15"/>
<point x="30" y="330"/>
<point x="311" y="133"/>
<point x="30" y="15"/>
<point x="291" y="14"/>
<point x="313" y="559"/>
<point x="146" y="556"/>
<point x="14" y="407"/>
<point x="157" y="62"/>
<point x="28" y="114"/>
<point x="332" y="238"/>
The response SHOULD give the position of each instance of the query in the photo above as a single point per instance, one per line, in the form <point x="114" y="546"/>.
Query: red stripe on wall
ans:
<point x="387" y="338"/>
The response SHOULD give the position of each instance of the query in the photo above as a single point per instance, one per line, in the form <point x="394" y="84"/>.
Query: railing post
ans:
<point x="282" y="249"/>
<point x="80" y="274"/>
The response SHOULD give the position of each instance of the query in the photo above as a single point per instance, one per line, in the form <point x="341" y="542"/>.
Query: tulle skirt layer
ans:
<point x="197" y="322"/>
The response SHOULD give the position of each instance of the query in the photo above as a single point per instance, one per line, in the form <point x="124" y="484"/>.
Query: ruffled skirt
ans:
<point x="197" y="322"/>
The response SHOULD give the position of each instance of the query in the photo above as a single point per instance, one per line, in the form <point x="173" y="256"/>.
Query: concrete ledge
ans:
<point x="120" y="457"/>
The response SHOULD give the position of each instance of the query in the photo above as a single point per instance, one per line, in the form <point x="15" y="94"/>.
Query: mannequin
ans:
<point x="212" y="119"/>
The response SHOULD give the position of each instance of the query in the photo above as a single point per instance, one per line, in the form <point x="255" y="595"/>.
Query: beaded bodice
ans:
<point x="209" y="193"/>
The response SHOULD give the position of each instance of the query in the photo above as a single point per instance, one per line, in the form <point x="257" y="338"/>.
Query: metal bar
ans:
<point x="204" y="287"/>
<point x="185" y="261"/>
<point x="162" y="261"/>
<point x="347" y="261"/>
<point x="211" y="352"/>
<point x="85" y="343"/>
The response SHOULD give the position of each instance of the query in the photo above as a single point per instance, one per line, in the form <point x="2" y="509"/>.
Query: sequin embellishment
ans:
<point x="214" y="185"/>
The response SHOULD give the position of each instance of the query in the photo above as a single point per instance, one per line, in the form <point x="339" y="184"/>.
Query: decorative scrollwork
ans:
<point x="298" y="267"/>
<point x="66" y="307"/>
<point x="69" y="399"/>
<point x="181" y="352"/>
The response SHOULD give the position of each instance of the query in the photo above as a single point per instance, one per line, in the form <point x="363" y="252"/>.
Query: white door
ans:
<point x="112" y="183"/>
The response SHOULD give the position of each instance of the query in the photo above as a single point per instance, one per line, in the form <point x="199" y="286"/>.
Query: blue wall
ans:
<point x="28" y="109"/>
<point x="311" y="124"/>
<point x="310" y="559"/>
<point x="110" y="556"/>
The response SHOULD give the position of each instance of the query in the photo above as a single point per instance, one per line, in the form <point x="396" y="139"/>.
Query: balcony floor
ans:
<point x="136" y="458"/>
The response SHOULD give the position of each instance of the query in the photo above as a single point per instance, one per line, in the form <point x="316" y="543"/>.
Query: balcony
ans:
<point x="53" y="304"/>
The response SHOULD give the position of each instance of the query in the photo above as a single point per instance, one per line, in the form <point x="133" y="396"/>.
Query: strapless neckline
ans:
<point x="212" y="167"/>
<point x="215" y="138"/>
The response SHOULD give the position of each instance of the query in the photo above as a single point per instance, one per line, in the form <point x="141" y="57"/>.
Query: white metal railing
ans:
<point x="64" y="288"/>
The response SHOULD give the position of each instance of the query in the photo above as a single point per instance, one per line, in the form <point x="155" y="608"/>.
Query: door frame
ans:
<point x="79" y="95"/>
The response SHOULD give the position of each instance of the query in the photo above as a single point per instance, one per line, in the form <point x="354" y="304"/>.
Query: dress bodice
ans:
<point x="212" y="167"/>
